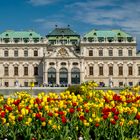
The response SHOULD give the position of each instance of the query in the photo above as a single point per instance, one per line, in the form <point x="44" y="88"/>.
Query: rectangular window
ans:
<point x="130" y="70"/>
<point x="131" y="84"/>
<point x="35" y="52"/>
<point x="26" y="71"/>
<point x="16" y="53"/>
<point x="100" y="52"/>
<point x="100" y="70"/>
<point x="120" y="52"/>
<point x="120" y="70"/>
<point x="129" y="52"/>
<point x="26" y="84"/>
<point x="36" y="84"/>
<point x="16" y="71"/>
<point x="6" y="84"/>
<point x="6" y="53"/>
<point x="25" y="53"/>
<point x="90" y="52"/>
<point x="120" y="83"/>
<point x="91" y="70"/>
<point x="110" y="70"/>
<point x="35" y="70"/>
<point x="6" y="71"/>
<point x="138" y="70"/>
<point x="110" y="52"/>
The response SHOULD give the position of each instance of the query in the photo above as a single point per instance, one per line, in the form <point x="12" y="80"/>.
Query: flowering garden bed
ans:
<point x="91" y="114"/>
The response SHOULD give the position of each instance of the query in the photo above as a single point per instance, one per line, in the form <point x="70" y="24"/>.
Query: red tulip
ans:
<point x="87" y="111"/>
<point x="9" y="108"/>
<point x="74" y="104"/>
<point x="78" y="109"/>
<point x="19" y="119"/>
<point x="116" y="117"/>
<point x="2" y="114"/>
<point x="97" y="125"/>
<point x="50" y="114"/>
<point x="43" y="119"/>
<point x="63" y="119"/>
<point x="82" y="118"/>
<point x="113" y="122"/>
<point x="138" y="117"/>
<point x="37" y="116"/>
<point x="105" y="117"/>
<point x="71" y="110"/>
<point x="48" y="99"/>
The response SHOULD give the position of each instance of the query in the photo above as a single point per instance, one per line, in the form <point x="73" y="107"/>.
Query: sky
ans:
<point x="82" y="15"/>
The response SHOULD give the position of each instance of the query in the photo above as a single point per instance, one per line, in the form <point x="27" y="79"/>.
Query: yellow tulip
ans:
<point x="43" y="123"/>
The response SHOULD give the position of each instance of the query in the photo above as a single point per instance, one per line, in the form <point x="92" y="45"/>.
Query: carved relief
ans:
<point x="62" y="52"/>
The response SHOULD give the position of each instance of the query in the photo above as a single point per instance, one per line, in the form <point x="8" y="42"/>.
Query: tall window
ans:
<point x="35" y="52"/>
<point x="120" y="52"/>
<point x="90" y="52"/>
<point x="91" y="70"/>
<point x="130" y="70"/>
<point x="100" y="52"/>
<point x="110" y="52"/>
<point x="120" y="83"/>
<point x="139" y="70"/>
<point x="110" y="70"/>
<point x="35" y="70"/>
<point x="100" y="70"/>
<point x="6" y="53"/>
<point x="120" y="70"/>
<point x="26" y="71"/>
<point x="15" y="71"/>
<point x="6" y="84"/>
<point x="6" y="71"/>
<point x="129" y="52"/>
<point x="130" y="83"/>
<point x="26" y="84"/>
<point x="16" y="53"/>
<point x="25" y="53"/>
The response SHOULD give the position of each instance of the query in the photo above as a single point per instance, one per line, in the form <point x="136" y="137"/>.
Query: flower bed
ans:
<point x="92" y="114"/>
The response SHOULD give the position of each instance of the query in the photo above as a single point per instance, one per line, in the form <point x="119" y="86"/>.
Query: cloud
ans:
<point x="109" y="13"/>
<point x="41" y="2"/>
<point x="49" y="24"/>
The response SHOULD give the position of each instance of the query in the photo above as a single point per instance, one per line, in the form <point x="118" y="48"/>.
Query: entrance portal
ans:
<point x="63" y="76"/>
<point x="52" y="76"/>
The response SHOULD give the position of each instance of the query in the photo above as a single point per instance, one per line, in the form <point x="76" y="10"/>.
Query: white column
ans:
<point x="45" y="73"/>
<point x="82" y="71"/>
<point x="69" y="73"/>
<point x="57" y="77"/>
<point x="57" y="73"/>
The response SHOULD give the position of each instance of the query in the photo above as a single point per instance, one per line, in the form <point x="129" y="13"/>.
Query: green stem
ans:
<point x="122" y="133"/>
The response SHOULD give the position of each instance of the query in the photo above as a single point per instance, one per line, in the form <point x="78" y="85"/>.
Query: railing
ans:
<point x="106" y="41"/>
<point x="31" y="41"/>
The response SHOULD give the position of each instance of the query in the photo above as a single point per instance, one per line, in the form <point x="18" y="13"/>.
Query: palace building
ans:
<point x="64" y="57"/>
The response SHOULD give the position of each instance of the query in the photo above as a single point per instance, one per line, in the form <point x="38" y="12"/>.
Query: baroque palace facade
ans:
<point x="63" y="57"/>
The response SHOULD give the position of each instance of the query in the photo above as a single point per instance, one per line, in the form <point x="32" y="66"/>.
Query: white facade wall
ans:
<point x="84" y="62"/>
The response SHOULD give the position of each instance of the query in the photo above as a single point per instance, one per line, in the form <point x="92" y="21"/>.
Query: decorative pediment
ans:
<point x="62" y="52"/>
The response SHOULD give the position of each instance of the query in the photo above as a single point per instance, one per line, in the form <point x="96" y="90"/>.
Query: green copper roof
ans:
<point x="62" y="32"/>
<point x="20" y="34"/>
<point x="106" y="33"/>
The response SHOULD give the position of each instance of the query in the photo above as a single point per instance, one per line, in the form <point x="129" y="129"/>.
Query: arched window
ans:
<point x="52" y="63"/>
<point x="63" y="63"/>
<point x="52" y="76"/>
<point x="75" y="63"/>
<point x="75" y="76"/>
<point x="63" y="76"/>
